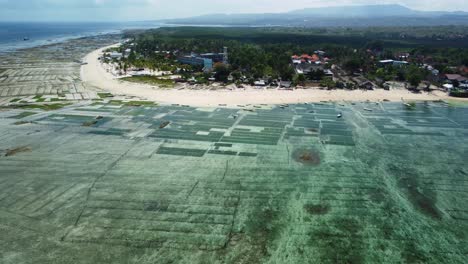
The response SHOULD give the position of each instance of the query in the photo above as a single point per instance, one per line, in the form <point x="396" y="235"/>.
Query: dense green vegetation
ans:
<point x="266" y="52"/>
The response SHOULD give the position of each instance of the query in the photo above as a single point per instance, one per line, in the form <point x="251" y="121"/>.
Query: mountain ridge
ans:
<point x="333" y="16"/>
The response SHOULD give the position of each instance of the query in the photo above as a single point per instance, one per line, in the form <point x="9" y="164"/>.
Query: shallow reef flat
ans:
<point x="134" y="182"/>
<point x="49" y="70"/>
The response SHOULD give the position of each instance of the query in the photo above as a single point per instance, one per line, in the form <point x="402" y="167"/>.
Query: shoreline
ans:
<point x="94" y="74"/>
<point x="6" y="48"/>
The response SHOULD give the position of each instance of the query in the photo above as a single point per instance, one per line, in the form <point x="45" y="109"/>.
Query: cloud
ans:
<point x="157" y="9"/>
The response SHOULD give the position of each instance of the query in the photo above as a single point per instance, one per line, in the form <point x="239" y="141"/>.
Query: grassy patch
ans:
<point x="140" y="103"/>
<point x="15" y="100"/>
<point x="46" y="107"/>
<point x="115" y="102"/>
<point x="105" y="95"/>
<point x="162" y="83"/>
<point x="132" y="103"/>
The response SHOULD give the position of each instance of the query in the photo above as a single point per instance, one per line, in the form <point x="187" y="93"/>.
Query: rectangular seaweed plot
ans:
<point x="178" y="213"/>
<point x="218" y="119"/>
<point x="110" y="132"/>
<point x="81" y="120"/>
<point x="339" y="128"/>
<point x="269" y="136"/>
<point x="307" y="122"/>
<point x="298" y="132"/>
<point x="187" y="133"/>
<point x="272" y="119"/>
<point x="336" y="133"/>
<point x="181" y="152"/>
<point x="340" y="140"/>
<point x="457" y="114"/>
<point x="195" y="125"/>
<point x="386" y="126"/>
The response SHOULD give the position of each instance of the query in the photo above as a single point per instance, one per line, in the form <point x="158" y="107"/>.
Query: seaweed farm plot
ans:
<point x="122" y="182"/>
<point x="49" y="70"/>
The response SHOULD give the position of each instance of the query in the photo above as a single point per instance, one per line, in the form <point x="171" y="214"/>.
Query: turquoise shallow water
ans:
<point x="385" y="183"/>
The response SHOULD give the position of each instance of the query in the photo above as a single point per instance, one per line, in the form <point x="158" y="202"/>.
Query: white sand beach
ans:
<point x="94" y="74"/>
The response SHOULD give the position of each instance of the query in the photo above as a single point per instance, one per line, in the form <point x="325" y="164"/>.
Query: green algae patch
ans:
<point x="45" y="107"/>
<point x="105" y="95"/>
<point x="340" y="241"/>
<point x="422" y="198"/>
<point x="23" y="115"/>
<point x="317" y="209"/>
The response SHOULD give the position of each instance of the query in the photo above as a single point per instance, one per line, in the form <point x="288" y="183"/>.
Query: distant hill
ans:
<point x="341" y="16"/>
<point x="357" y="11"/>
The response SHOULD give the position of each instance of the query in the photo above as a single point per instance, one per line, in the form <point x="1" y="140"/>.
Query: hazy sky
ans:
<point x="102" y="10"/>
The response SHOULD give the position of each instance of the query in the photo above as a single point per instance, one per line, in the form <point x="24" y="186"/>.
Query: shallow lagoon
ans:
<point x="385" y="183"/>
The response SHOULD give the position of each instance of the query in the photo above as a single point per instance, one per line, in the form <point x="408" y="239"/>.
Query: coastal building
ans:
<point x="363" y="83"/>
<point x="447" y="86"/>
<point x="320" y="52"/>
<point x="116" y="55"/>
<point x="403" y="56"/>
<point x="194" y="60"/>
<point x="328" y="73"/>
<point x="306" y="63"/>
<point x="260" y="83"/>
<point x="455" y="77"/>
<point x="305" y="68"/>
<point x="400" y="63"/>
<point x="207" y="60"/>
<point x="395" y="63"/>
<point x="285" y="84"/>
<point x="386" y="62"/>
<point x="215" y="57"/>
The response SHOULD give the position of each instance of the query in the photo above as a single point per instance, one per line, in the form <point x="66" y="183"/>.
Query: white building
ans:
<point x="116" y="55"/>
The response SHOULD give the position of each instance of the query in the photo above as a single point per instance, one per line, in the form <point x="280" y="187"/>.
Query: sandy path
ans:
<point x="94" y="74"/>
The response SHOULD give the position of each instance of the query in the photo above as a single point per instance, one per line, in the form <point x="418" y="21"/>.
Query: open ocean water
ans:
<point x="14" y="35"/>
